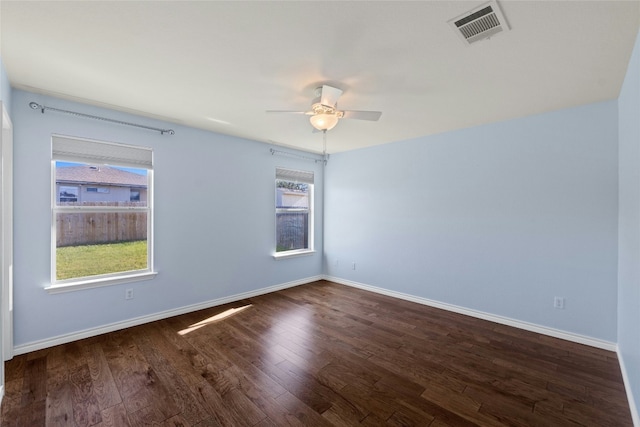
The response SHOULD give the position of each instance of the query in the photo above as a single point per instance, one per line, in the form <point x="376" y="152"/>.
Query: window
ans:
<point x="294" y="212"/>
<point x="101" y="233"/>
<point x="97" y="189"/>
<point x="67" y="194"/>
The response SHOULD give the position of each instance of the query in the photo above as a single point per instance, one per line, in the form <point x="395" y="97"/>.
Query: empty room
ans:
<point x="320" y="213"/>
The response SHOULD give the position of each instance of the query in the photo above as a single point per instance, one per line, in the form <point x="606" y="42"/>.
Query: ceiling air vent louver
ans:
<point x="480" y="23"/>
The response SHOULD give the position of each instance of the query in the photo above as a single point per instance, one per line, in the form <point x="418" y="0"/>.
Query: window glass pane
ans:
<point x="81" y="184"/>
<point x="292" y="231"/>
<point x="292" y="195"/>
<point x="292" y="215"/>
<point x="67" y="193"/>
<point x="88" y="244"/>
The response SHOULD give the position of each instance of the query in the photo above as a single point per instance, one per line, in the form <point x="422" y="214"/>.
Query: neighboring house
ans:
<point x="286" y="198"/>
<point x="88" y="183"/>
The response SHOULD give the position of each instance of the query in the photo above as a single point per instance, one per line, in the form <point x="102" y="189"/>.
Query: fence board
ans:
<point x="292" y="231"/>
<point x="88" y="228"/>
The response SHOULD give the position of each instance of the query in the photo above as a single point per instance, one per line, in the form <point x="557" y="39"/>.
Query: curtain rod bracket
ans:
<point x="35" y="106"/>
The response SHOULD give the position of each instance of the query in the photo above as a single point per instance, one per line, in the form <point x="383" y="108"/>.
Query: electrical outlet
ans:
<point x="353" y="265"/>
<point x="128" y="294"/>
<point x="558" y="302"/>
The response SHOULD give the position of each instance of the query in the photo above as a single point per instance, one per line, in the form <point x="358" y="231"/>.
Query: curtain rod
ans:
<point x="287" y="153"/>
<point x="36" y="106"/>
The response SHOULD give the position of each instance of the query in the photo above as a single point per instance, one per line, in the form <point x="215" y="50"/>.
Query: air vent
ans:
<point x="480" y="23"/>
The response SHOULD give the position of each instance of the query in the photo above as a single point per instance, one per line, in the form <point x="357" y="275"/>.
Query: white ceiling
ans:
<point x="220" y="65"/>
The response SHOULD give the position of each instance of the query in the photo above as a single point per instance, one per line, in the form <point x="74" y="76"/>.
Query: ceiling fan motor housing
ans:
<point x="319" y="108"/>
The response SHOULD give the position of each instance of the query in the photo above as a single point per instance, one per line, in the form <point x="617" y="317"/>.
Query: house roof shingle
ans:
<point x="99" y="175"/>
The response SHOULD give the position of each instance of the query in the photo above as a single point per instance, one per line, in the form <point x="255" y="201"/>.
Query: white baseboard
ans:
<point x="557" y="333"/>
<point x="63" y="339"/>
<point x="627" y="386"/>
<point x="87" y="333"/>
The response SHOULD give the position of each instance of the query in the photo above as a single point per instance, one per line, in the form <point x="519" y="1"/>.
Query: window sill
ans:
<point x="99" y="282"/>
<point x="293" y="254"/>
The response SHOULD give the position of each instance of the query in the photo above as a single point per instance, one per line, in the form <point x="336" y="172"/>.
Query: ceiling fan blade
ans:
<point x="308" y="113"/>
<point x="362" y="115"/>
<point x="329" y="96"/>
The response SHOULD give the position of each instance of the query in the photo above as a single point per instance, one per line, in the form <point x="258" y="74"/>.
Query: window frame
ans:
<point x="295" y="176"/>
<point x="87" y="282"/>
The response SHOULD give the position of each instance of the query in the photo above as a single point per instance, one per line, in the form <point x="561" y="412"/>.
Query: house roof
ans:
<point x="218" y="65"/>
<point x="104" y="175"/>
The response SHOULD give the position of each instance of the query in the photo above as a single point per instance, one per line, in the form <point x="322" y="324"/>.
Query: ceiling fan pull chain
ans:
<point x="324" y="146"/>
<point x="324" y="143"/>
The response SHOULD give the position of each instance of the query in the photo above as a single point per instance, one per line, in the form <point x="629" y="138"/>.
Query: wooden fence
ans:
<point x="88" y="228"/>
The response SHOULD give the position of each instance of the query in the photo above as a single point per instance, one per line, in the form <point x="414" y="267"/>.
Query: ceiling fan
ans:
<point x="324" y="113"/>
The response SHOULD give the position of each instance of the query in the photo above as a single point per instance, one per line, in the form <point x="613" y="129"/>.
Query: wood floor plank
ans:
<point x="302" y="411"/>
<point x="136" y="380"/>
<point x="336" y="398"/>
<point x="243" y="357"/>
<point x="33" y="414"/>
<point x="115" y="416"/>
<point x="104" y="387"/>
<point x="176" y="421"/>
<point x="86" y="411"/>
<point x="34" y="387"/>
<point x="341" y="371"/>
<point x="217" y="407"/>
<point x="11" y="401"/>
<point x="185" y="359"/>
<point x="587" y="414"/>
<point x="14" y="368"/>
<point x="189" y="408"/>
<point x="261" y="389"/>
<point x="59" y="404"/>
<point x="408" y="417"/>
<point x="504" y="409"/>
<point x="372" y="421"/>
<point x="320" y="354"/>
<point x="302" y="391"/>
<point x="417" y="403"/>
<point x="147" y="416"/>
<point x="209" y="422"/>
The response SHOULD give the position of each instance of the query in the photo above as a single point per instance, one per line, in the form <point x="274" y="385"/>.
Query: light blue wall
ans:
<point x="5" y="87"/>
<point x="214" y="221"/>
<point x="629" y="226"/>
<point x="498" y="218"/>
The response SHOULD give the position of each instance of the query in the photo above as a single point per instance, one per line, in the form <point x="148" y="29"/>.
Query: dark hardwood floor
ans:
<point x="317" y="355"/>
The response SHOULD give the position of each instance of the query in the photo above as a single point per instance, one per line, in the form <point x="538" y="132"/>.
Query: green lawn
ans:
<point x="90" y="260"/>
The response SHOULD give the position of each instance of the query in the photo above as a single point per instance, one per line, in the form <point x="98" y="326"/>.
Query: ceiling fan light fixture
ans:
<point x="324" y="121"/>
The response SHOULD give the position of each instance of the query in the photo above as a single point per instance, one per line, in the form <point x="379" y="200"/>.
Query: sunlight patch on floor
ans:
<point x="215" y="318"/>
